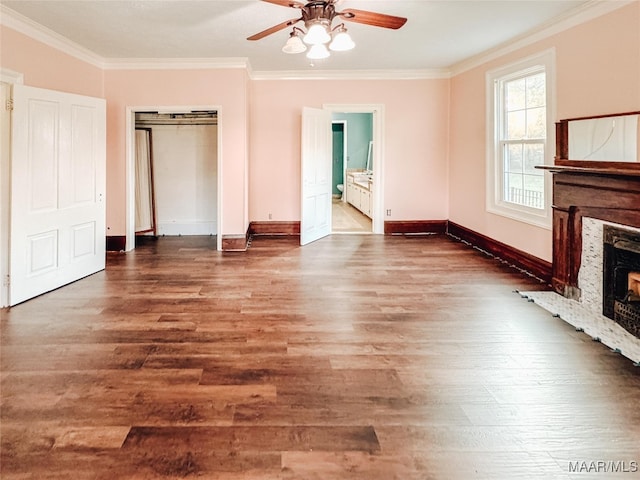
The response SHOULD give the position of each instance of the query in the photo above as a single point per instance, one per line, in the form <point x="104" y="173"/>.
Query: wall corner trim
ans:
<point x="235" y="243"/>
<point x="116" y="243"/>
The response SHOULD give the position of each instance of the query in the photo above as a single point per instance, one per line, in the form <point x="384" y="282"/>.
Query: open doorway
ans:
<point x="182" y="195"/>
<point x="359" y="207"/>
<point x="352" y="173"/>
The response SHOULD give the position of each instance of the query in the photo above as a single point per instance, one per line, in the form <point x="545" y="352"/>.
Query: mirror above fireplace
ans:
<point x="602" y="141"/>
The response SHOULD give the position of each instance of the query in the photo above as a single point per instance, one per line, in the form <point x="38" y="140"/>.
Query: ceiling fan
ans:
<point x="317" y="16"/>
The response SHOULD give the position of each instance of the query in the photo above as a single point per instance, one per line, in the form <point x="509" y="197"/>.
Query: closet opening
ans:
<point x="175" y="175"/>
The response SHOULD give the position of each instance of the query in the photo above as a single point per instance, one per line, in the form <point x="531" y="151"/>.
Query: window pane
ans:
<point x="513" y="188"/>
<point x="516" y="125"/>
<point x="535" y="90"/>
<point x="513" y="160"/>
<point x="533" y="191"/>
<point x="536" y="121"/>
<point x="515" y="95"/>
<point x="534" y="182"/>
<point x="534" y="155"/>
<point x="515" y="180"/>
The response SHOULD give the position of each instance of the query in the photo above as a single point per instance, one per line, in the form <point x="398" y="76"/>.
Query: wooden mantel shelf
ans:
<point x="600" y="171"/>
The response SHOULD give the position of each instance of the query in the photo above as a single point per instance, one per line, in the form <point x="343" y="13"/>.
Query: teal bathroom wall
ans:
<point x="359" y="134"/>
<point x="338" y="152"/>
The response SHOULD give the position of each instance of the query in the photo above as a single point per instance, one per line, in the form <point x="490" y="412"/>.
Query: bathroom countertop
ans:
<point x="361" y="179"/>
<point x="362" y="184"/>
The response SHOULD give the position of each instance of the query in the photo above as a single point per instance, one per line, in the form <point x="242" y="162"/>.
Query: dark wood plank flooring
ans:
<point x="355" y="357"/>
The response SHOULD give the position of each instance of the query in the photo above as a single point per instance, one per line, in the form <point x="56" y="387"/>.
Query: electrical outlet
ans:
<point x="269" y="216"/>
<point x="388" y="212"/>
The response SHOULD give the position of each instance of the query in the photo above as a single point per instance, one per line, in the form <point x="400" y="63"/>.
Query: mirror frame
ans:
<point x="562" y="147"/>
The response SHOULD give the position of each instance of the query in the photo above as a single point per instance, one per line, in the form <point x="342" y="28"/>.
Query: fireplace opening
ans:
<point x="621" y="278"/>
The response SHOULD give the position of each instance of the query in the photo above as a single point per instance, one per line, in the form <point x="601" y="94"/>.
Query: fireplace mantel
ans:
<point x="599" y="171"/>
<point x="610" y="195"/>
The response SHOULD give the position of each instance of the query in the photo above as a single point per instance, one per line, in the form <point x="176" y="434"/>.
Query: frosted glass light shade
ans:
<point x="294" y="45"/>
<point x="317" y="35"/>
<point x="318" y="52"/>
<point x="342" y="42"/>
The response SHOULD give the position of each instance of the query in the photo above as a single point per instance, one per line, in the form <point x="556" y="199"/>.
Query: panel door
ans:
<point x="57" y="190"/>
<point x="315" y="221"/>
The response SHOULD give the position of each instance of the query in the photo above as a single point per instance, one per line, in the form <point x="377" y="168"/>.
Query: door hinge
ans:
<point x="9" y="104"/>
<point x="7" y="280"/>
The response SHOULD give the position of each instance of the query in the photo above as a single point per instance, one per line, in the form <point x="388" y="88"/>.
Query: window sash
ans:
<point x="521" y="194"/>
<point x="521" y="151"/>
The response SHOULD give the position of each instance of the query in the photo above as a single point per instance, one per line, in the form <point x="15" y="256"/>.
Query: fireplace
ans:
<point x="621" y="278"/>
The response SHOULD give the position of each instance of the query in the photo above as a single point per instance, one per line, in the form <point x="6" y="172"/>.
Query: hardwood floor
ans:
<point x="354" y="357"/>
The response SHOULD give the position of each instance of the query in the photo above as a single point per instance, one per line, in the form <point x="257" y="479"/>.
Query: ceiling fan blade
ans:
<point x="274" y="29"/>
<point x="286" y="3"/>
<point x="372" y="18"/>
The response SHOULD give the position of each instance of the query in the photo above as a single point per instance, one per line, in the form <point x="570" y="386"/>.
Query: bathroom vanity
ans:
<point x="358" y="191"/>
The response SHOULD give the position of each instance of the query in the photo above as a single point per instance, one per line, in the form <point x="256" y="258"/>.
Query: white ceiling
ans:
<point x="438" y="34"/>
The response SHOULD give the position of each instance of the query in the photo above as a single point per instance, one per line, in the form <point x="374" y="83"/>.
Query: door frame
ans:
<point x="377" y="110"/>
<point x="130" y="182"/>
<point x="10" y="78"/>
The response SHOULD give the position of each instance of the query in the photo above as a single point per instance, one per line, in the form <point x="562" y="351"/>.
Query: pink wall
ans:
<point x="597" y="72"/>
<point x="434" y="129"/>
<point x="46" y="67"/>
<point x="49" y="68"/>
<point x="224" y="88"/>
<point x="416" y="129"/>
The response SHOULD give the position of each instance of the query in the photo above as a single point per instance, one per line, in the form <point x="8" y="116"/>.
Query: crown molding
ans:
<point x="570" y="19"/>
<point x="12" y="19"/>
<point x="351" y="74"/>
<point x="175" y="63"/>
<point x="574" y="17"/>
<point x="11" y="76"/>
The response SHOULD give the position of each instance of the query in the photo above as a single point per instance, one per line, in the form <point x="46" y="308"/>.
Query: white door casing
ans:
<point x="130" y="144"/>
<point x="58" y="171"/>
<point x="316" y="171"/>
<point x="5" y="189"/>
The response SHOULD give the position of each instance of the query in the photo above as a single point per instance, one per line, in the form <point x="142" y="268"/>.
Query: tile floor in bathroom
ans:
<point x="348" y="219"/>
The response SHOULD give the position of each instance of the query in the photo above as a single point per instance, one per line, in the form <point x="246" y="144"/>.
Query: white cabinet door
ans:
<point x="365" y="202"/>
<point x="315" y="219"/>
<point x="57" y="190"/>
<point x="353" y="196"/>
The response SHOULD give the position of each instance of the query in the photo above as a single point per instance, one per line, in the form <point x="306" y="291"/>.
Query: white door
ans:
<point x="58" y="166"/>
<point x="315" y="219"/>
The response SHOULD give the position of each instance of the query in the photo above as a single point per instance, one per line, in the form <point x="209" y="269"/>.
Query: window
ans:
<point x="519" y="137"/>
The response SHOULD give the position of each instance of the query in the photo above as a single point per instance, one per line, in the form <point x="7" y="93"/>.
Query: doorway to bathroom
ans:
<point x="352" y="172"/>
<point x="316" y="171"/>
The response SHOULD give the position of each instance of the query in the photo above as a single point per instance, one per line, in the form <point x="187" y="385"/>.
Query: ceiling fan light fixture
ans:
<point x="341" y="40"/>
<point x="318" y="52"/>
<point x="294" y="44"/>
<point x="317" y="33"/>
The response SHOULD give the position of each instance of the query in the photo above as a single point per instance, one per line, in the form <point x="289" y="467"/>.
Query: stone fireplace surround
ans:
<point x="585" y="313"/>
<point x="584" y="200"/>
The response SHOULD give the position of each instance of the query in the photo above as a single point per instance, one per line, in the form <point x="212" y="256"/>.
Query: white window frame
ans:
<point x="494" y="202"/>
